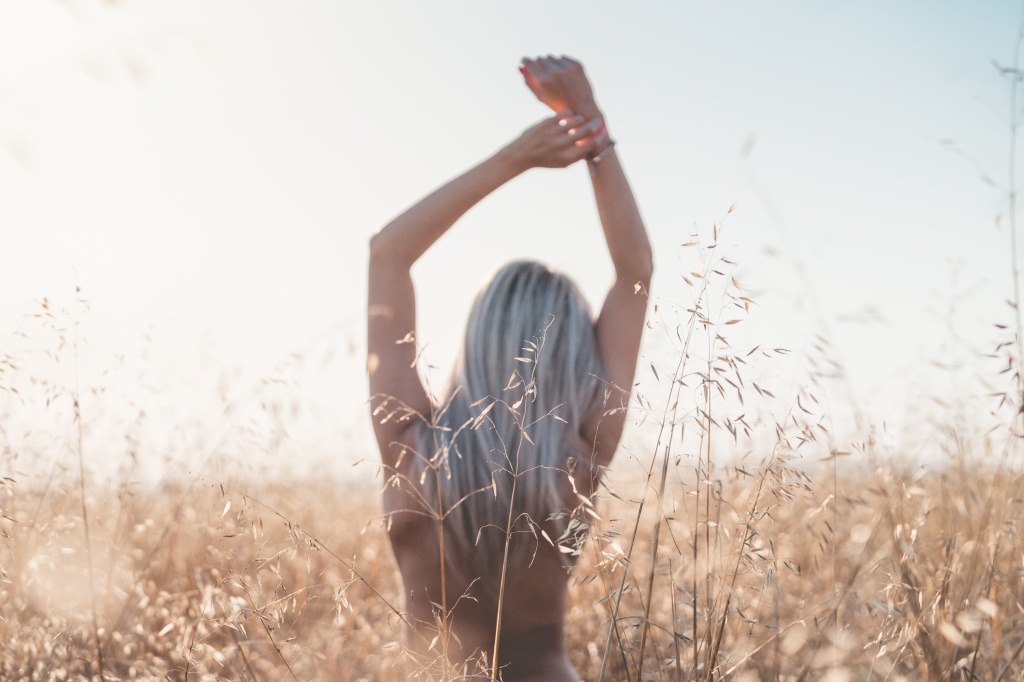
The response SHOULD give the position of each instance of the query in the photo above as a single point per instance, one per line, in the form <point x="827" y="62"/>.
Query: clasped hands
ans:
<point x="577" y="130"/>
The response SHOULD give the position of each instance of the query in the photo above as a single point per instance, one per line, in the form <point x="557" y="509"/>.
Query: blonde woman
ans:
<point x="482" y="485"/>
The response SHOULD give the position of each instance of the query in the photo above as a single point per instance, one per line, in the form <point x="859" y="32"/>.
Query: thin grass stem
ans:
<point x="77" y="407"/>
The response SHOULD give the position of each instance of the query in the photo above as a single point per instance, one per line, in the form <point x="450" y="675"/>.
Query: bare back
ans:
<point x="531" y="646"/>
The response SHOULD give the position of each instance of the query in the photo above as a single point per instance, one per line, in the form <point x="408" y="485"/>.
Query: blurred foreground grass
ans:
<point x="881" y="575"/>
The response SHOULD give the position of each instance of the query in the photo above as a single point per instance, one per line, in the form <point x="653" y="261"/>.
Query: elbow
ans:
<point x="647" y="266"/>
<point x="637" y="272"/>
<point x="382" y="249"/>
<point x="378" y="247"/>
<point x="640" y="268"/>
<point x="391" y="248"/>
<point x="634" y="258"/>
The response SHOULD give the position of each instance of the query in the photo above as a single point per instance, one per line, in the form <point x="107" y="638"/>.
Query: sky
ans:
<point x="209" y="174"/>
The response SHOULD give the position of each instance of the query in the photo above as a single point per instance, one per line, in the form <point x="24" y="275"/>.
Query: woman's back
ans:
<point x="533" y="613"/>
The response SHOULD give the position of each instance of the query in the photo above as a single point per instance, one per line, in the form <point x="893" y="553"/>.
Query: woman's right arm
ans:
<point x="620" y="323"/>
<point x="560" y="82"/>
<point x="555" y="142"/>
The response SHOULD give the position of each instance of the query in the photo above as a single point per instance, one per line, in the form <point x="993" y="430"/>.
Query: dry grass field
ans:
<point x="742" y="546"/>
<point x="799" y="559"/>
<point x="879" y="576"/>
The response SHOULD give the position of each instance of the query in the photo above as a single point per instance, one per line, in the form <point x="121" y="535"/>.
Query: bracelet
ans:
<point x="596" y="158"/>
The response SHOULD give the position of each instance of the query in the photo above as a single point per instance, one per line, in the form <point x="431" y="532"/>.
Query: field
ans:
<point x="735" y="539"/>
<point x="884" y="575"/>
<point x="797" y="559"/>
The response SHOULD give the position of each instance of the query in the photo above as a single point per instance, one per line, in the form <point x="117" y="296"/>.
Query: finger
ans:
<point x="573" y="154"/>
<point x="601" y="140"/>
<point x="587" y="148"/>
<point x="580" y="133"/>
<point x="530" y="78"/>
<point x="529" y="64"/>
<point x="589" y="128"/>
<point x="570" y="120"/>
<point x="537" y="67"/>
<point x="595" y="143"/>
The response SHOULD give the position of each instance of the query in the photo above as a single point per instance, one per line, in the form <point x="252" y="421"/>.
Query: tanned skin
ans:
<point x="531" y="645"/>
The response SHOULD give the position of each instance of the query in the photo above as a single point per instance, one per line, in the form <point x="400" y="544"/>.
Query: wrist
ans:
<point x="591" y="111"/>
<point x="602" y="155"/>
<point x="512" y="160"/>
<point x="599" y="115"/>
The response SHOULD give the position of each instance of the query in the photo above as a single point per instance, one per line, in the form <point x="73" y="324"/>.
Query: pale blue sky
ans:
<point x="212" y="170"/>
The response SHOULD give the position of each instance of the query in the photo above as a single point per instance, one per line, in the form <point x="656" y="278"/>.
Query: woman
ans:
<point x="485" y="489"/>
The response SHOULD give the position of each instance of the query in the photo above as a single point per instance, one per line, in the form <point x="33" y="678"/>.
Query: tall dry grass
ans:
<point x="922" y="579"/>
<point x="800" y="559"/>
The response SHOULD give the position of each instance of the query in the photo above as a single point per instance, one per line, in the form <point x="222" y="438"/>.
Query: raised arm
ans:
<point x="620" y="323"/>
<point x="397" y="395"/>
<point x="560" y="82"/>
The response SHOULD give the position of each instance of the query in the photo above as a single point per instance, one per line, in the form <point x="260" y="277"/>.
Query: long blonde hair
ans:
<point x="527" y="376"/>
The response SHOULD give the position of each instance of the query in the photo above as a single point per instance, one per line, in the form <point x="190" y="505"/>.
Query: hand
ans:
<point x="559" y="141"/>
<point x="560" y="83"/>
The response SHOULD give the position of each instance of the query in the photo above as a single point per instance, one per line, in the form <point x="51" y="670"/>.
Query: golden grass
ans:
<point x="912" y="576"/>
<point x="778" y="567"/>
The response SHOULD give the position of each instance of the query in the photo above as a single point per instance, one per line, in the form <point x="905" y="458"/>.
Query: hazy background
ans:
<point x="210" y="172"/>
